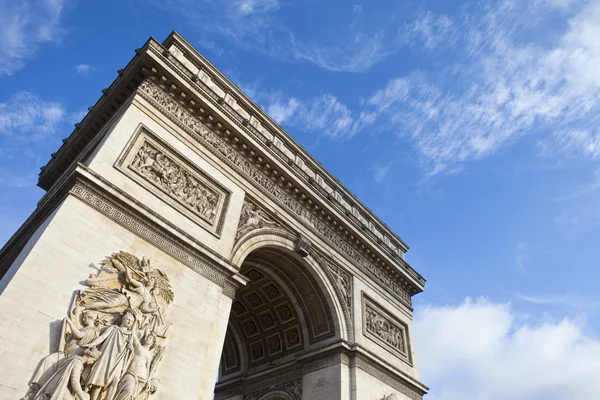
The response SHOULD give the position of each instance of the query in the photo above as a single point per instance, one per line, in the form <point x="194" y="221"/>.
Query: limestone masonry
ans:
<point x="185" y="236"/>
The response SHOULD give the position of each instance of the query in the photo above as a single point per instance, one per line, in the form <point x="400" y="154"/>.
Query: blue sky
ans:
<point x="471" y="128"/>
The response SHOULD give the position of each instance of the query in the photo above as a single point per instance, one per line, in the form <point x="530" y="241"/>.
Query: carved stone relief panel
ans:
<point x="181" y="184"/>
<point x="385" y="329"/>
<point x="113" y="338"/>
<point x="253" y="217"/>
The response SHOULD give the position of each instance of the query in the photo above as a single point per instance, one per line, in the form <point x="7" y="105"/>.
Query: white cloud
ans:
<point x="501" y="86"/>
<point x="83" y="69"/>
<point x="480" y="350"/>
<point x="28" y="125"/>
<point x="380" y="172"/>
<point x="281" y="111"/>
<point x="24" y="25"/>
<point x="355" y="45"/>
<point x="26" y="117"/>
<point x="506" y="86"/>
<point x="249" y="7"/>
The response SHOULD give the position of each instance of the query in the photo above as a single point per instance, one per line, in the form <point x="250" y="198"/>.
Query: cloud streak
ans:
<point x="499" y="86"/>
<point x="24" y="26"/>
<point x="355" y="45"/>
<point x="28" y="125"/>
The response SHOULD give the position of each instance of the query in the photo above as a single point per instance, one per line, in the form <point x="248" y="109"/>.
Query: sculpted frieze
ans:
<point x="158" y="168"/>
<point x="113" y="338"/>
<point x="239" y="162"/>
<point x="385" y="329"/>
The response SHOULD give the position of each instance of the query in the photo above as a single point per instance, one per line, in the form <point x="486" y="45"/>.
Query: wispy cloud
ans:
<point x="505" y="87"/>
<point x="522" y="250"/>
<point x="83" y="69"/>
<point x="26" y="117"/>
<point x="28" y="125"/>
<point x="483" y="350"/>
<point x="578" y="204"/>
<point x="355" y="45"/>
<point x="24" y="25"/>
<point x="499" y="85"/>
<point x="252" y="7"/>
<point x="380" y="171"/>
<point x="575" y="302"/>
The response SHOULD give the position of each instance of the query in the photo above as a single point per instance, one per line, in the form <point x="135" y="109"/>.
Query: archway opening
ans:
<point x="284" y="311"/>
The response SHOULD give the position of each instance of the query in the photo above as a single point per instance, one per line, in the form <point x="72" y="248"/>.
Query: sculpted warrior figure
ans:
<point x="65" y="382"/>
<point x="252" y="218"/>
<point x="79" y="337"/>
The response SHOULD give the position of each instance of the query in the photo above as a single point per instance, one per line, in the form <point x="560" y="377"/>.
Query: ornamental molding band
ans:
<point x="137" y="223"/>
<point x="168" y="175"/>
<point x="239" y="161"/>
<point x="113" y="337"/>
<point x="384" y="329"/>
<point x="292" y="388"/>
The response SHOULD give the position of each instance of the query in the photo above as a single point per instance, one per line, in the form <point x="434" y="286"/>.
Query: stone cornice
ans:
<point x="251" y="167"/>
<point x="154" y="60"/>
<point x="280" y="144"/>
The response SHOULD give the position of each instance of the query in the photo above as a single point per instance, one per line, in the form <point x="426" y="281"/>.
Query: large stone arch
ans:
<point x="288" y="308"/>
<point x="287" y="241"/>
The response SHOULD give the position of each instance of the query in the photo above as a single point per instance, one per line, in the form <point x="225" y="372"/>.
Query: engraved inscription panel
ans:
<point x="385" y="329"/>
<point x="181" y="184"/>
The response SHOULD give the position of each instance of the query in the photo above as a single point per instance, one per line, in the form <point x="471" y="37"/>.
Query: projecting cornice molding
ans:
<point x="243" y="162"/>
<point x="250" y="139"/>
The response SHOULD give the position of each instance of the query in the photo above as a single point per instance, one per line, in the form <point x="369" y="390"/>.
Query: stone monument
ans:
<point x="185" y="236"/>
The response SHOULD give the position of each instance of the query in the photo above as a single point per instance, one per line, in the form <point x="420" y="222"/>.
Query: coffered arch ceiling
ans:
<point x="283" y="310"/>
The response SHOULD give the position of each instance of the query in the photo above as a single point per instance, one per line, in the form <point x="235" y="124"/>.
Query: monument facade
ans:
<point x="185" y="236"/>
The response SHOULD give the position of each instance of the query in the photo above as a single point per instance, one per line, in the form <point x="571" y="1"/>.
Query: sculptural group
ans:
<point x="113" y="338"/>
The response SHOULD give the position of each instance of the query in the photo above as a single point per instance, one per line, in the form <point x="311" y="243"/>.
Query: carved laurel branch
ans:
<point x="232" y="157"/>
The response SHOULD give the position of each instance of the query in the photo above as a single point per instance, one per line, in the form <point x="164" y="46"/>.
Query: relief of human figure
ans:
<point x="79" y="337"/>
<point x="125" y="296"/>
<point x="65" y="382"/>
<point x="136" y="379"/>
<point x="116" y="346"/>
<point x="122" y="284"/>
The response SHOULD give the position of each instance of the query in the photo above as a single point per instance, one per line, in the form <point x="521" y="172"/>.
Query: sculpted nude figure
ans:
<point x="136" y="377"/>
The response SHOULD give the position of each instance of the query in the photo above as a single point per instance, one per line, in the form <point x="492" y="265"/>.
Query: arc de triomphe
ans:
<point x="185" y="236"/>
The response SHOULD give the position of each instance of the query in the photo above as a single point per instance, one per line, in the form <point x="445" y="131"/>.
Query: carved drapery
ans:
<point x="113" y="338"/>
<point x="268" y="186"/>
